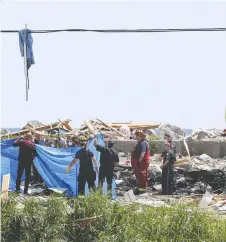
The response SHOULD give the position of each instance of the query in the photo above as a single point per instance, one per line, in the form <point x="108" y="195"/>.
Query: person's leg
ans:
<point x="101" y="177"/>
<point x="109" y="176"/>
<point x="81" y="183"/>
<point x="35" y="173"/>
<point x="27" y="174"/>
<point x="143" y="176"/>
<point x="171" y="189"/>
<point x="19" y="175"/>
<point x="165" y="180"/>
<point x="136" y="170"/>
<point x="91" y="177"/>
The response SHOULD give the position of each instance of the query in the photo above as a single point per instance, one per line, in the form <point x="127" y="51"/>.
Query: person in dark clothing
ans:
<point x="27" y="152"/>
<point x="108" y="160"/>
<point x="173" y="148"/>
<point x="168" y="170"/>
<point x="86" y="172"/>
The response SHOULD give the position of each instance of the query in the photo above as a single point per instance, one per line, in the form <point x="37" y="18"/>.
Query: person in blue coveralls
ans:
<point x="86" y="172"/>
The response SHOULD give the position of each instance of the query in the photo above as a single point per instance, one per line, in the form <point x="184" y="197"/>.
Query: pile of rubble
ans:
<point x="115" y="131"/>
<point x="207" y="134"/>
<point x="192" y="175"/>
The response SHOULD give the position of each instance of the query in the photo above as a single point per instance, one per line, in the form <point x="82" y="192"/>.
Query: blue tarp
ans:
<point x="51" y="163"/>
<point x="25" y="37"/>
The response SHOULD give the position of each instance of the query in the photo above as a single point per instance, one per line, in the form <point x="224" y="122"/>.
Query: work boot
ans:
<point x="138" y="191"/>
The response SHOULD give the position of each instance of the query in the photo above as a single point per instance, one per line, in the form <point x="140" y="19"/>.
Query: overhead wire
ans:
<point x="122" y="30"/>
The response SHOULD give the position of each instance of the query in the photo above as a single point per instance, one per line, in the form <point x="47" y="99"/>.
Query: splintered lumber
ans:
<point x="5" y="186"/>
<point x="65" y="123"/>
<point x="86" y="221"/>
<point x="41" y="128"/>
<point x="90" y="127"/>
<point x="112" y="129"/>
<point x="136" y="125"/>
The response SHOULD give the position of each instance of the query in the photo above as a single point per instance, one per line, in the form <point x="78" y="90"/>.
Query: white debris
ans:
<point x="129" y="196"/>
<point x="205" y="158"/>
<point x="58" y="190"/>
<point x="152" y="203"/>
<point x="118" y="182"/>
<point x="206" y="200"/>
<point x="124" y="129"/>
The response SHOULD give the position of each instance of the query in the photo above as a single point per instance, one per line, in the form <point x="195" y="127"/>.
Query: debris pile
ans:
<point x="174" y="131"/>
<point x="110" y="131"/>
<point x="192" y="175"/>
<point x="4" y="131"/>
<point x="207" y="134"/>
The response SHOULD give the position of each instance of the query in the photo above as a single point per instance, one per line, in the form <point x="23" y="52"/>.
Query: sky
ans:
<point x="176" y="78"/>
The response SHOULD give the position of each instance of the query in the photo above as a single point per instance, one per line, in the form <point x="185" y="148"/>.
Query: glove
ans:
<point x="68" y="169"/>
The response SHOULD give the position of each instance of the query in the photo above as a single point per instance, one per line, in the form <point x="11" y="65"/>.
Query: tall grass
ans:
<point x="57" y="220"/>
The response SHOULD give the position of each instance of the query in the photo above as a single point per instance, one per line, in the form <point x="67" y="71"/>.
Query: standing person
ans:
<point x="167" y="170"/>
<point x="140" y="159"/>
<point x="27" y="152"/>
<point x="86" y="172"/>
<point x="108" y="160"/>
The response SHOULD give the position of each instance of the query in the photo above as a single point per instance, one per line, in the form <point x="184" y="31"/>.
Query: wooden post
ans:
<point x="5" y="186"/>
<point x="25" y="64"/>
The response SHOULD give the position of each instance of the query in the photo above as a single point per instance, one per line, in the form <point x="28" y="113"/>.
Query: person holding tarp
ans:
<point x="108" y="160"/>
<point x="86" y="172"/>
<point x="27" y="152"/>
<point x="168" y="170"/>
<point x="140" y="159"/>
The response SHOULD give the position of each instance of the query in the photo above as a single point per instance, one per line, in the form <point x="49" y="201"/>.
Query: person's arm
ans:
<point x="116" y="159"/>
<point x="17" y="142"/>
<point x="72" y="163"/>
<point x="166" y="161"/>
<point x="143" y="148"/>
<point x="95" y="163"/>
<point x="99" y="148"/>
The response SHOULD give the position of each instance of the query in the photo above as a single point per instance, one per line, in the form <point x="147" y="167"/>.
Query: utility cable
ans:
<point x="122" y="30"/>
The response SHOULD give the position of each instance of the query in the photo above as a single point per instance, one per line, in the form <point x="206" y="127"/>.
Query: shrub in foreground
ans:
<point x="57" y="220"/>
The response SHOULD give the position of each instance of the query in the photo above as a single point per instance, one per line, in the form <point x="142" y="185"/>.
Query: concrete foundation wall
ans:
<point x="214" y="149"/>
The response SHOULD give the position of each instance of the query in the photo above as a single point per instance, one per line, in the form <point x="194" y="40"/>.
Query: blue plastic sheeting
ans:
<point x="51" y="164"/>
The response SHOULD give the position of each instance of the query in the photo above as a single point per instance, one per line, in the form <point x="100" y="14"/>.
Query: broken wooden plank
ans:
<point x="5" y="186"/>
<point x="90" y="127"/>
<point x="86" y="221"/>
<point x="136" y="125"/>
<point x="113" y="129"/>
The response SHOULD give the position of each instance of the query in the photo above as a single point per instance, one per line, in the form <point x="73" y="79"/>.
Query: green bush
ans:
<point x="56" y="221"/>
<point x="152" y="143"/>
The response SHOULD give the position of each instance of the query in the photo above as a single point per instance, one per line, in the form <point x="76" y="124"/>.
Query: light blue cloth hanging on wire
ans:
<point x="25" y="37"/>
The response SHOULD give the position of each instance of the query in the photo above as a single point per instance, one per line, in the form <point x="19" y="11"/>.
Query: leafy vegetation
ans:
<point x="152" y="143"/>
<point x="56" y="220"/>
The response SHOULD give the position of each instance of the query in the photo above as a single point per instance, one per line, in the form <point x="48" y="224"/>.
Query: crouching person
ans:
<point x="168" y="170"/>
<point x="86" y="172"/>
